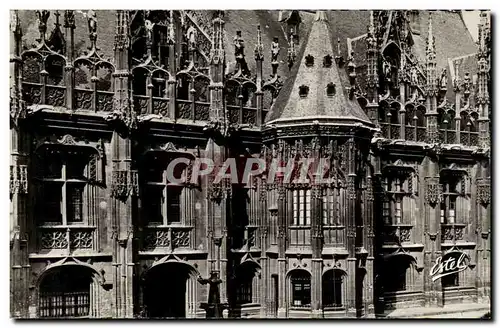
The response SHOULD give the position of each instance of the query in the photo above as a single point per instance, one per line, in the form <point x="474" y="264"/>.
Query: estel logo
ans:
<point x="451" y="263"/>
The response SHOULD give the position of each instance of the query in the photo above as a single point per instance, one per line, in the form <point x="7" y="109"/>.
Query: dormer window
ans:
<point x="327" y="61"/>
<point x="309" y="61"/>
<point x="303" y="91"/>
<point x="330" y="90"/>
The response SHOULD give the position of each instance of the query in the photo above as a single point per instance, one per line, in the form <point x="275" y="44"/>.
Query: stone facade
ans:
<point x="97" y="231"/>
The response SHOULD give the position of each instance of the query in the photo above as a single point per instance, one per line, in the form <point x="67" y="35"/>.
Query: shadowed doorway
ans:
<point x="169" y="291"/>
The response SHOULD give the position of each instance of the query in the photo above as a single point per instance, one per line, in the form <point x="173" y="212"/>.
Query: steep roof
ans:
<point x="317" y="105"/>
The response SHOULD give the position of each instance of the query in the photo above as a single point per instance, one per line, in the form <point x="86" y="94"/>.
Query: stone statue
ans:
<point x="43" y="16"/>
<point x="149" y="29"/>
<point x="275" y="50"/>
<point x="213" y="307"/>
<point x="92" y="19"/>
<point x="443" y="80"/>
<point x="414" y="75"/>
<point x="239" y="46"/>
<point x="386" y="69"/>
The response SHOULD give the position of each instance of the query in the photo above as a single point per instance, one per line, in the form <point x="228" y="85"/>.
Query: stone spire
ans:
<point x="372" y="62"/>
<point x="431" y="61"/>
<point x="483" y="97"/>
<point x="431" y="87"/>
<point x="318" y="88"/>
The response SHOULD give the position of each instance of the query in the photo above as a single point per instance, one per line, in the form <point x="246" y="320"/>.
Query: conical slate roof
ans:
<point x="317" y="105"/>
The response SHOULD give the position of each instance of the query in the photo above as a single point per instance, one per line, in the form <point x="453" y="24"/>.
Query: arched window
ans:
<point x="65" y="292"/>
<point x="332" y="288"/>
<point x="300" y="295"/>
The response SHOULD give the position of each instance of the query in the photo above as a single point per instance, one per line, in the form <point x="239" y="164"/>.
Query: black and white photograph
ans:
<point x="250" y="164"/>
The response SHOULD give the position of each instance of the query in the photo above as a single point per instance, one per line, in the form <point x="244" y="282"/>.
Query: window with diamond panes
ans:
<point x="62" y="181"/>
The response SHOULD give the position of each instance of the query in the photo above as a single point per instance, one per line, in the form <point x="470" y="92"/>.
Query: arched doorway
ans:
<point x="169" y="291"/>
<point x="65" y="292"/>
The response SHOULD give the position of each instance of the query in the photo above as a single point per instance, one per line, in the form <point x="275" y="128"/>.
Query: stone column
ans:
<point x="316" y="247"/>
<point x="351" y="226"/>
<point x="282" y="233"/>
<point x="432" y="228"/>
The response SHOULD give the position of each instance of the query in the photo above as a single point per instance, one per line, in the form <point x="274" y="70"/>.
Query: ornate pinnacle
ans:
<point x="69" y="19"/>
<point x="291" y="50"/>
<point x="57" y="14"/>
<point x="171" y="32"/>
<point x="371" y="26"/>
<point x="430" y="51"/>
<point x="122" y="38"/>
<point x="15" y="23"/>
<point x="456" y="80"/>
<point x="259" y="47"/>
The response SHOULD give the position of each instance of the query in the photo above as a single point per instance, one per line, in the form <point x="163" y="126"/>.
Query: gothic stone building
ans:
<point x="101" y="101"/>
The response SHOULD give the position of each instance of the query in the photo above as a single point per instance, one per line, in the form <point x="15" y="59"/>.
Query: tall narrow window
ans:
<point x="302" y="207"/>
<point x="449" y="201"/>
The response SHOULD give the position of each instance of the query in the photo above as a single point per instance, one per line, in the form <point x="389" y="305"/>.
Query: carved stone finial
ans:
<point x="291" y="50"/>
<point x="171" y="31"/>
<point x="15" y="23"/>
<point x="69" y="19"/>
<point x="430" y="50"/>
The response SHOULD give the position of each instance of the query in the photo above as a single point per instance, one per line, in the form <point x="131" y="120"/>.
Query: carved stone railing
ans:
<point x="67" y="238"/>
<point x="167" y="237"/>
<point x="391" y="131"/>
<point x="469" y="138"/>
<point x="141" y="104"/>
<point x="184" y="109"/>
<point x="452" y="232"/>
<point x="397" y="234"/>
<point x="32" y="93"/>
<point x="201" y="111"/>
<point x="83" y="99"/>
<point x="447" y="136"/>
